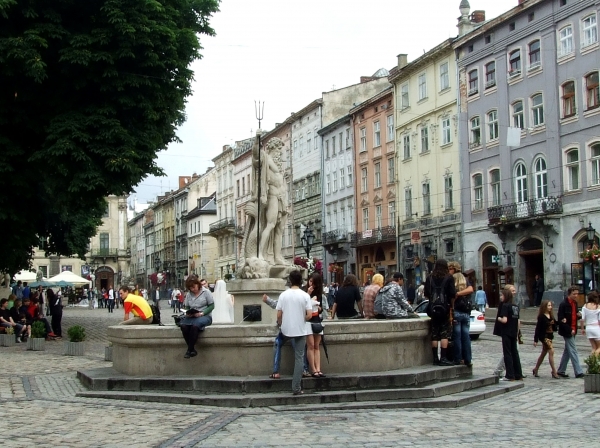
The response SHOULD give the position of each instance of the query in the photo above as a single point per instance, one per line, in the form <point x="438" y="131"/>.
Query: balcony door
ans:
<point x="521" y="190"/>
<point x="540" y="176"/>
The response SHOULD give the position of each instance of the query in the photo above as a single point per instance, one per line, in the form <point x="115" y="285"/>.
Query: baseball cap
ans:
<point x="398" y="276"/>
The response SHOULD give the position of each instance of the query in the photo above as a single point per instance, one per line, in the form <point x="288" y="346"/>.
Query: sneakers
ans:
<point x="51" y="335"/>
<point x="581" y="375"/>
<point x="563" y="375"/>
<point x="506" y="379"/>
<point x="19" y="340"/>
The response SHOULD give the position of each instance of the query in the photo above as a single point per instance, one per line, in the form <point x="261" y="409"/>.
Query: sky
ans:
<point x="286" y="53"/>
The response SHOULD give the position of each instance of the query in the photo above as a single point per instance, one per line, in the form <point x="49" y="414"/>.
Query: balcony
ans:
<point x="335" y="236"/>
<point x="106" y="252"/>
<point x="222" y="226"/>
<point x="373" y="236"/>
<point x="524" y="211"/>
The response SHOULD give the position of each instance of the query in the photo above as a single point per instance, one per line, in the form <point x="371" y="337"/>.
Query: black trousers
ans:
<point x="56" y="321"/>
<point x="512" y="361"/>
<point x="190" y="334"/>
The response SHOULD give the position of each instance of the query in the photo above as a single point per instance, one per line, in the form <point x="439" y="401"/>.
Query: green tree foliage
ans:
<point x="90" y="91"/>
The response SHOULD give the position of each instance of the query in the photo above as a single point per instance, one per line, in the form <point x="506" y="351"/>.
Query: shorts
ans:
<point x="441" y="330"/>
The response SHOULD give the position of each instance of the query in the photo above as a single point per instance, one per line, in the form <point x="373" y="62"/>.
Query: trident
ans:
<point x="259" y="112"/>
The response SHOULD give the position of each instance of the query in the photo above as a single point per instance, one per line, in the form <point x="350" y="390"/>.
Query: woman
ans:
<point x="223" y="313"/>
<point x="370" y="294"/>
<point x="544" y="332"/>
<point x="56" y="309"/>
<point x="509" y="323"/>
<point x="461" y="324"/>
<point x="345" y="298"/>
<point x="313" y="340"/>
<point x="440" y="281"/>
<point x="590" y="324"/>
<point x="199" y="304"/>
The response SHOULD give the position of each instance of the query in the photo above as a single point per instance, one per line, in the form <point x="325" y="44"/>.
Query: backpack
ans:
<point x="378" y="304"/>
<point x="155" y="315"/>
<point x="463" y="304"/>
<point x="438" y="304"/>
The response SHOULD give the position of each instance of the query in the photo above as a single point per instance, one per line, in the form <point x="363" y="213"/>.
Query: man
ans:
<point x="461" y="323"/>
<point x="26" y="291"/>
<point x="331" y="295"/>
<point x="393" y="303"/>
<point x="293" y="310"/>
<point x="18" y="290"/>
<point x="136" y="305"/>
<point x="539" y="289"/>
<point x="111" y="299"/>
<point x="567" y="328"/>
<point x="7" y="321"/>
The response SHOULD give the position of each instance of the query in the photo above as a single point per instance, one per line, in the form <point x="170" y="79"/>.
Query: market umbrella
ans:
<point x="26" y="276"/>
<point x="69" y="277"/>
<point x="62" y="284"/>
<point x="43" y="284"/>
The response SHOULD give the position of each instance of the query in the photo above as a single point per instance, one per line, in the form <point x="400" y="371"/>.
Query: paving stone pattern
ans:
<point x="39" y="406"/>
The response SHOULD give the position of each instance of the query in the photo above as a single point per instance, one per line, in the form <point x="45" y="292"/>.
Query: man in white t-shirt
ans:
<point x="293" y="310"/>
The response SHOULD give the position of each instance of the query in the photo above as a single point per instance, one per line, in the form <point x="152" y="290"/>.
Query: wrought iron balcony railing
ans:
<point x="523" y="211"/>
<point x="373" y="236"/>
<point x="106" y="252"/>
<point x="334" y="236"/>
<point x="222" y="224"/>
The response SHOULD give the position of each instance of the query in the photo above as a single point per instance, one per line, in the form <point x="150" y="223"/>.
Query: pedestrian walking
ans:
<point x="544" y="333"/>
<point x="567" y="328"/>
<point x="481" y="299"/>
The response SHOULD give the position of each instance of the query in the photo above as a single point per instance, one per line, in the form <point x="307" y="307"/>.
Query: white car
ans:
<point x="477" y="319"/>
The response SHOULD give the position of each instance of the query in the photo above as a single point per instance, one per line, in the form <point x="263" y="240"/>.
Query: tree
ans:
<point x="90" y="92"/>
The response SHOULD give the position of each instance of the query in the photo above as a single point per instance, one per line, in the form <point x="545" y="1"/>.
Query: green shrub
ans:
<point x="38" y="330"/>
<point x="9" y="330"/>
<point x="593" y="363"/>
<point x="76" y="333"/>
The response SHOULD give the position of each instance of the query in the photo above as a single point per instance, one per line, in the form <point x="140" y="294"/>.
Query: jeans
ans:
<point x="570" y="352"/>
<point x="460" y="335"/>
<point x="299" y="345"/>
<point x="279" y="342"/>
<point x="481" y="307"/>
<point x="110" y="304"/>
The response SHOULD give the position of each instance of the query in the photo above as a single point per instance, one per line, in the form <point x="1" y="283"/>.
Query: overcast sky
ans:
<point x="286" y="53"/>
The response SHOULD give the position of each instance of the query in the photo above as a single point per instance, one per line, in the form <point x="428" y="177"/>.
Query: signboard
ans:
<point x="367" y="234"/>
<point x="415" y="237"/>
<point x="495" y="258"/>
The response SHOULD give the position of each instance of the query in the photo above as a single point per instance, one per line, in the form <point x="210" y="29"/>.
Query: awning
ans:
<point x="469" y="272"/>
<point x="505" y="270"/>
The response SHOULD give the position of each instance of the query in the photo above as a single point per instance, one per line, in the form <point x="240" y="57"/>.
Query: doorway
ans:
<point x="534" y="265"/>
<point x="490" y="275"/>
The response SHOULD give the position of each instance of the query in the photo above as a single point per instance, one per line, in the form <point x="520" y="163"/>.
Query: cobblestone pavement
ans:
<point x="39" y="408"/>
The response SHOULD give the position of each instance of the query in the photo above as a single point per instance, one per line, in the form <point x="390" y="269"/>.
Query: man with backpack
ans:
<point x="440" y="290"/>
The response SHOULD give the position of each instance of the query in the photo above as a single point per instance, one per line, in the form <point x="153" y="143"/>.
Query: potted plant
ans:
<point x="108" y="352"/>
<point x="591" y="381"/>
<point x="74" y="346"/>
<point x="7" y="339"/>
<point x="38" y="337"/>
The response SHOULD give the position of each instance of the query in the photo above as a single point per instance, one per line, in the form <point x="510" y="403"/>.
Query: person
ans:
<point x="175" y="302"/>
<point x="18" y="290"/>
<point x="293" y="310"/>
<point x="111" y="299"/>
<point x="370" y="294"/>
<point x="500" y="366"/>
<point x="102" y="298"/>
<point x="314" y="290"/>
<point x="156" y="296"/>
<point x="20" y="318"/>
<point x="136" y="291"/>
<point x="461" y="323"/>
<point x="136" y="305"/>
<point x="345" y="298"/>
<point x="26" y="291"/>
<point x="481" y="299"/>
<point x="223" y="313"/>
<point x="567" y="328"/>
<point x="507" y="326"/>
<point x="544" y="333"/>
<point x="55" y="304"/>
<point x="331" y="295"/>
<point x="392" y="303"/>
<point x="539" y="289"/>
<point x="7" y="321"/>
<point x="411" y="293"/>
<point x="30" y="307"/>
<point x="440" y="282"/>
<point x="590" y="321"/>
<point x="199" y="304"/>
<point x="420" y="293"/>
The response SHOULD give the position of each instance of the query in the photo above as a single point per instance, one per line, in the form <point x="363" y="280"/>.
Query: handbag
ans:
<point x="317" y="327"/>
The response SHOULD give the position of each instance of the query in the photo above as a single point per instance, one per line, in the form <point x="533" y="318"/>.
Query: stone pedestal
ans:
<point x="250" y="292"/>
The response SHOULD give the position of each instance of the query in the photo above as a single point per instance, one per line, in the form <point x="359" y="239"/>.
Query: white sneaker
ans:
<point x="19" y="340"/>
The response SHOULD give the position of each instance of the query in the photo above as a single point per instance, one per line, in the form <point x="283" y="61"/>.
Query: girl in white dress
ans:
<point x="590" y="321"/>
<point x="223" y="312"/>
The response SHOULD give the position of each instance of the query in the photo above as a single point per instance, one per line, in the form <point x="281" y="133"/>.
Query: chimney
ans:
<point x="478" y="16"/>
<point x="364" y="79"/>
<point x="402" y="60"/>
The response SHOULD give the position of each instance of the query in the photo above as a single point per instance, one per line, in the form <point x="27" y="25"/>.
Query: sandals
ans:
<point x="535" y="373"/>
<point x="321" y="374"/>
<point x="316" y="375"/>
<point x="275" y="376"/>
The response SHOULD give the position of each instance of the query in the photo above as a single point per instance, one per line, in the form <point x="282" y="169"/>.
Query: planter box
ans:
<point x="108" y="353"/>
<point x="7" y="340"/>
<point x="74" y="348"/>
<point x="591" y="383"/>
<point x="36" y="344"/>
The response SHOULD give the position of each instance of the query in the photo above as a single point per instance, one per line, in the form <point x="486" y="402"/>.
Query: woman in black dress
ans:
<point x="508" y="326"/>
<point x="544" y="333"/>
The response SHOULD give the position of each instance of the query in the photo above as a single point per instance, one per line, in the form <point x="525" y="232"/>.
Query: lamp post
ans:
<point x="157" y="263"/>
<point x="308" y="239"/>
<point x="591" y="234"/>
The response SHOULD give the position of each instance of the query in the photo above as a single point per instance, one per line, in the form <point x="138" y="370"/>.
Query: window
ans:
<point x="335" y="181"/>
<point x="237" y="182"/>
<point x="565" y="37"/>
<point x="424" y="139"/>
<point x="408" y="203"/>
<point x="568" y="99"/>
<point x="475" y="135"/>
<point x="406" y="146"/>
<point x="517" y="115"/>
<point x="378" y="175"/>
<point x="573" y="169"/>
<point x="515" y="63"/>
<point x="348" y="141"/>
<point x="104" y="243"/>
<point x="446" y="131"/>
<point x="473" y="82"/>
<point x="426" y="199"/>
<point x="365" y="218"/>
<point x="589" y="31"/>
<point x="106" y="212"/>
<point x="511" y="26"/>
<point x="363" y="139"/>
<point x="488" y="39"/>
<point x="342" y="177"/>
<point x="592" y="91"/>
<point x="392" y="210"/>
<point x="333" y="145"/>
<point x="376" y="134"/>
<point x="308" y="142"/>
<point x="492" y="118"/>
<point x="495" y="186"/>
<point x="349" y="175"/>
<point x="378" y="216"/>
<point x="444" y="76"/>
<point x="534" y="54"/>
<point x="490" y="74"/>
<point x="540" y="174"/>
<point x="595" y="159"/>
<point x="521" y="182"/>
<point x="391" y="169"/>
<point x="363" y="179"/>
<point x="530" y="17"/>
<point x="448" y="193"/>
<point x="327" y="148"/>
<point x="478" y="191"/>
<point x="340" y="143"/>
<point x="328" y="183"/>
<point x="390" y="128"/>
<point x="537" y="109"/>
<point x="422" y="86"/>
<point x="404" y="97"/>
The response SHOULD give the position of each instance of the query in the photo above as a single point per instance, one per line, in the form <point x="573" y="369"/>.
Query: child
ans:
<point x="544" y="332"/>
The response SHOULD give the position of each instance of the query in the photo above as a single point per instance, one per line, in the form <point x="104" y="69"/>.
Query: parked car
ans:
<point x="477" y="319"/>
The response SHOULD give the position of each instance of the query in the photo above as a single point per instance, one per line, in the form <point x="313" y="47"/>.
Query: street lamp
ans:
<point x="157" y="263"/>
<point x="228" y="267"/>
<point x="591" y="234"/>
<point x="308" y="239"/>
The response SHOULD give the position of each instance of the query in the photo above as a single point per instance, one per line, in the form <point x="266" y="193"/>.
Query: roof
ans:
<point x="426" y="58"/>
<point x="387" y="91"/>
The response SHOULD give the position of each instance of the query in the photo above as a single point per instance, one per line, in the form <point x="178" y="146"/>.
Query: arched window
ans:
<point x="521" y="182"/>
<point x="541" y="178"/>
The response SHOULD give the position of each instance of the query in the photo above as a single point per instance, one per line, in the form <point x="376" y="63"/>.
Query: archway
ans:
<point x="531" y="252"/>
<point x="105" y="277"/>
<point x="490" y="275"/>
